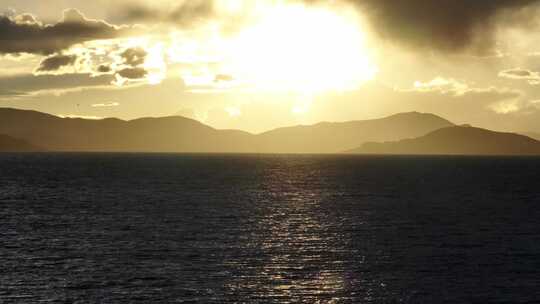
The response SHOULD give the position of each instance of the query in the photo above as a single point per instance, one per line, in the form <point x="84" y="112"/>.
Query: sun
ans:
<point x="301" y="48"/>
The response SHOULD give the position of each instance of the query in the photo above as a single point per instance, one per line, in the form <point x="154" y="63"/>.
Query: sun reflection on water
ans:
<point x="300" y="254"/>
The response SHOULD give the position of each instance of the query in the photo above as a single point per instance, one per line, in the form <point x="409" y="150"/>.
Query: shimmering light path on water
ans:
<point x="127" y="228"/>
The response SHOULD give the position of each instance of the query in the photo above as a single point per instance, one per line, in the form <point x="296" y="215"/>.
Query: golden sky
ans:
<point x="260" y="64"/>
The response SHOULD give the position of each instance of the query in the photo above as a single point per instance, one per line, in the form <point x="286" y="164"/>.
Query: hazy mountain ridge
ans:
<point x="404" y="133"/>
<point x="166" y="134"/>
<point x="532" y="135"/>
<point x="327" y="137"/>
<point x="10" y="144"/>
<point x="458" y="140"/>
<point x="179" y="134"/>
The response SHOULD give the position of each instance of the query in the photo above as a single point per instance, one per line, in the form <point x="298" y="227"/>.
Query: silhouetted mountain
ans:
<point x="329" y="137"/>
<point x="10" y="144"/>
<point x="458" y="140"/>
<point x="532" y="135"/>
<point x="167" y="134"/>
<point x="179" y="134"/>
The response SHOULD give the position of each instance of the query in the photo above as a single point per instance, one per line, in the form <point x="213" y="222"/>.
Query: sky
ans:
<point x="257" y="65"/>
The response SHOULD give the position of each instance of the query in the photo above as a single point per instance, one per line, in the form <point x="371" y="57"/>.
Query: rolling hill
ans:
<point x="458" y="141"/>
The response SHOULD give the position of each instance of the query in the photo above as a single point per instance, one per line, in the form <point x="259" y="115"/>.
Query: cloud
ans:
<point x="132" y="73"/>
<point x="104" y="69"/>
<point x="521" y="74"/>
<point x="442" y="85"/>
<point x="55" y="62"/>
<point x="223" y="78"/>
<point x="518" y="74"/>
<point x="129" y="75"/>
<point x="30" y="84"/>
<point x="79" y="60"/>
<point x="76" y="116"/>
<point x="25" y="34"/>
<point x="461" y="90"/>
<point x="456" y="100"/>
<point x="185" y="13"/>
<point x="105" y="105"/>
<point x="124" y="65"/>
<point x="233" y="111"/>
<point x="444" y="25"/>
<point x="94" y="60"/>
<point x="505" y="107"/>
<point x="134" y="56"/>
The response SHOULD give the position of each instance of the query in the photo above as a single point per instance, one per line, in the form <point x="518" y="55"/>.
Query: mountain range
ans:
<point x="410" y="133"/>
<point x="459" y="140"/>
<point x="179" y="134"/>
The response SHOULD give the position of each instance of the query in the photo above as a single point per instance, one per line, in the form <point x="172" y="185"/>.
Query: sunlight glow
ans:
<point x="299" y="48"/>
<point x="155" y="64"/>
<point x="233" y="111"/>
<point x="277" y="46"/>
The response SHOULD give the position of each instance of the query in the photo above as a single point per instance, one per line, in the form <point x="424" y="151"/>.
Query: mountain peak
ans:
<point x="419" y="115"/>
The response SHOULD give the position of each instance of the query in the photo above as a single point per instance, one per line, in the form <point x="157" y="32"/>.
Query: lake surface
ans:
<point x="129" y="228"/>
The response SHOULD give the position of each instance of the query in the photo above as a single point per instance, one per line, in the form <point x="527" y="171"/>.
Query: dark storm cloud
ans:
<point x="185" y="13"/>
<point x="55" y="62"/>
<point x="24" y="34"/>
<point x="443" y="25"/>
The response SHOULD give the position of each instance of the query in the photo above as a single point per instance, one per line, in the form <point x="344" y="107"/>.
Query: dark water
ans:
<point x="89" y="228"/>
